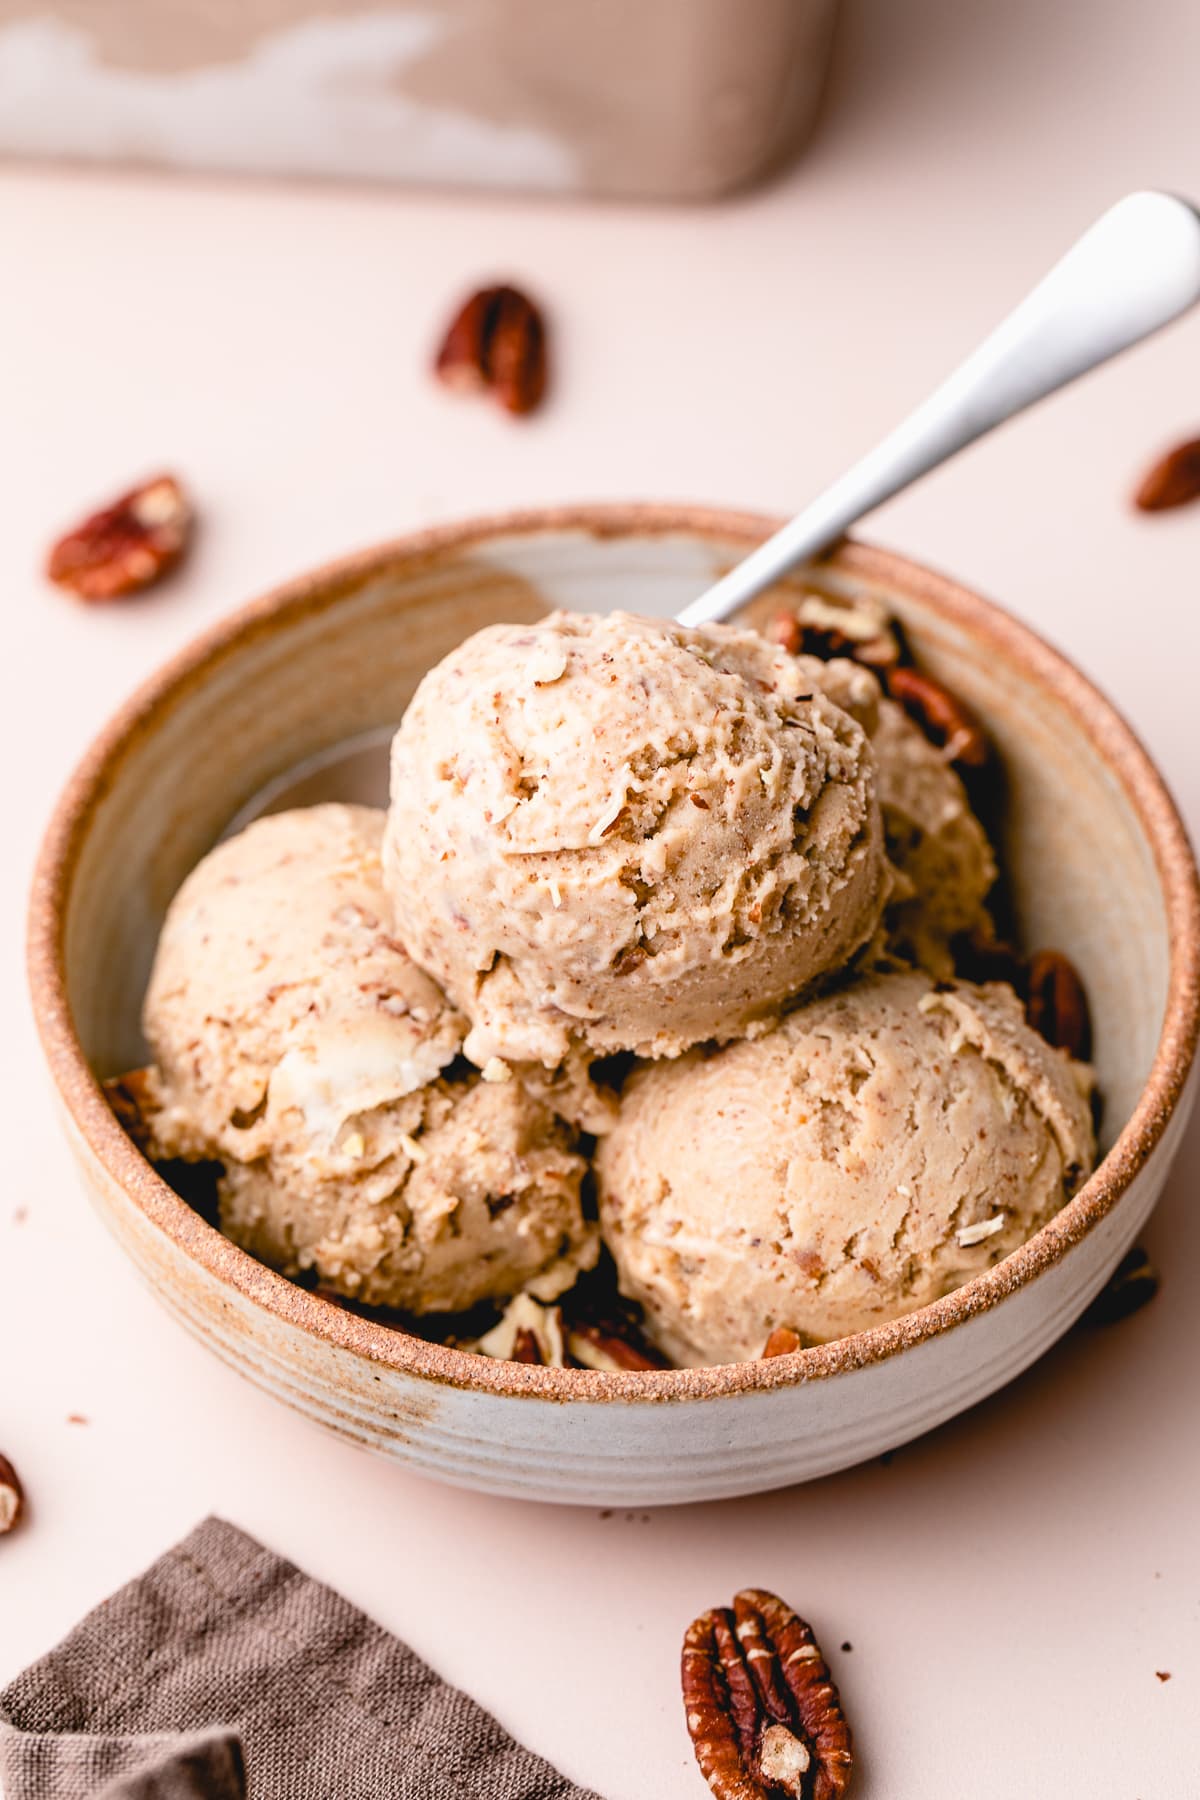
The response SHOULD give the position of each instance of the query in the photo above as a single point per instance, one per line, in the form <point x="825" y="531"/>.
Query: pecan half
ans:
<point x="12" y="1497"/>
<point x="782" y="1342"/>
<point x="1132" y="1285"/>
<point x="945" y="719"/>
<point x="1174" y="480"/>
<point x="1056" y="1003"/>
<point x="762" y="1710"/>
<point x="819" y="629"/>
<point x="496" y="342"/>
<point x="126" y="546"/>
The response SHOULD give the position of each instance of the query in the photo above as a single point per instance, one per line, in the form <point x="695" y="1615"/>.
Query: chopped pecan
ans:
<point x="1132" y="1285"/>
<point x="1174" y="480"/>
<point x="599" y="1347"/>
<point x="784" y="629"/>
<point x="799" y="639"/>
<point x="762" y="1710"/>
<point x="526" y="1348"/>
<point x="129" y="1097"/>
<point x="630" y="958"/>
<point x="12" y="1497"/>
<point x="826" y="634"/>
<point x="496" y="342"/>
<point x="782" y="1342"/>
<point x="127" y="546"/>
<point x="945" y="719"/>
<point x="461" y="361"/>
<point x="527" y="1333"/>
<point x="1056" y="1003"/>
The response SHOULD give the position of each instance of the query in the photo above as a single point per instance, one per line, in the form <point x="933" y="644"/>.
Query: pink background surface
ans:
<point x="1010" y="1584"/>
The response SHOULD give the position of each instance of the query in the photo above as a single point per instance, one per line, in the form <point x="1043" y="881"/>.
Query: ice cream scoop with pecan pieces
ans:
<point x="876" y="1150"/>
<point x="297" y="1044"/>
<point x="617" y="833"/>
<point x="944" y="866"/>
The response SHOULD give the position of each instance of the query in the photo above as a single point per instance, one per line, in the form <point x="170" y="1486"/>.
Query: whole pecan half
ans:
<point x="762" y="1710"/>
<point x="944" y="718"/>
<point x="12" y="1498"/>
<point x="1056" y="1003"/>
<point x="1174" y="480"/>
<point x="126" y="546"/>
<point x="496" y="342"/>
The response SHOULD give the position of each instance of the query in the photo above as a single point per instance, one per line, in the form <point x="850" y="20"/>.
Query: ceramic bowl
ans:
<point x="293" y="699"/>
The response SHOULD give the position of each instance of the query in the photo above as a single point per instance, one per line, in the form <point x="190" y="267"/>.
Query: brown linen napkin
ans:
<point x="222" y="1654"/>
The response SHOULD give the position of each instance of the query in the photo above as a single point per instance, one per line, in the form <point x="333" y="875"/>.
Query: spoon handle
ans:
<point x="1136" y="269"/>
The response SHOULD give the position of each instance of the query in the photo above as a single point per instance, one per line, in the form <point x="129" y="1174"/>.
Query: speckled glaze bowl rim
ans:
<point x="389" y="1347"/>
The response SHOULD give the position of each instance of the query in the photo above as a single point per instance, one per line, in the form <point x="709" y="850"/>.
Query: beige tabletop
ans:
<point x="1011" y="1585"/>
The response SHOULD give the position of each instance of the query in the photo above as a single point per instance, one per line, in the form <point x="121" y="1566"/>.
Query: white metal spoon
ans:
<point x="1135" y="270"/>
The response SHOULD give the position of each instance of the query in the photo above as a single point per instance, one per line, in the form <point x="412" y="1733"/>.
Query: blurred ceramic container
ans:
<point x="674" y="99"/>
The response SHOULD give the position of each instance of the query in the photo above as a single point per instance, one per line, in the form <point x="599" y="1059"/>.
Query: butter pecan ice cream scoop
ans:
<point x="876" y="1150"/>
<point x="943" y="863"/>
<point x="296" y="1043"/>
<point x="617" y="833"/>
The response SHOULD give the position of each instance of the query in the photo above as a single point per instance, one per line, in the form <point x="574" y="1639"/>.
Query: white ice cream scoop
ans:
<point x="1135" y="270"/>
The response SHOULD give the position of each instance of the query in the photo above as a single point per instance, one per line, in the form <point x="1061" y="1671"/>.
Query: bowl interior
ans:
<point x="295" y="702"/>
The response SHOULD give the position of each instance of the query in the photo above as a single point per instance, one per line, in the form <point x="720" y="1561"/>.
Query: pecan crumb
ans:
<point x="12" y="1496"/>
<point x="1174" y="480"/>
<point x="526" y="1348"/>
<point x="129" y="1097"/>
<point x="126" y="546"/>
<point x="496" y="343"/>
<point x="1163" y="1674"/>
<point x="526" y="1333"/>
<point x="784" y="629"/>
<point x="782" y="1342"/>
<point x="762" y="1710"/>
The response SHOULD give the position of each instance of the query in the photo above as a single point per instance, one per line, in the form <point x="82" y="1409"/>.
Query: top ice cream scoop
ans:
<point x="616" y="833"/>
